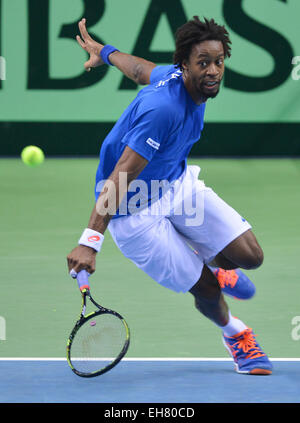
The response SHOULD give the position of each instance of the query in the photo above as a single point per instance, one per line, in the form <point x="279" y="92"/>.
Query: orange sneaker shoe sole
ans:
<point x="260" y="372"/>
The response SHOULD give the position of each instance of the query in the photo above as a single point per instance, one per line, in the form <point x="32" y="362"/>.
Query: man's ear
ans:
<point x="185" y="66"/>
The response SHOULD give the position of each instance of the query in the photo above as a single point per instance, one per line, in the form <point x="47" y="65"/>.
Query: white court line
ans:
<point x="140" y="359"/>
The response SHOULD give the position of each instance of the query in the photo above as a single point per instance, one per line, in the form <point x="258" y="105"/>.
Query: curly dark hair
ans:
<point x="195" y="31"/>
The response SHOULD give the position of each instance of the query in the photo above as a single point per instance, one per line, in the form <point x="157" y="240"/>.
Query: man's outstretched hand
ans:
<point x="90" y="46"/>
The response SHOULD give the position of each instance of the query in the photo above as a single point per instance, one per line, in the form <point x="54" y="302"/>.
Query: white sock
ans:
<point x="234" y="326"/>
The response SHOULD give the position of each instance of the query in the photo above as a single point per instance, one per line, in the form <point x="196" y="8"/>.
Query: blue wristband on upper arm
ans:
<point x="105" y="52"/>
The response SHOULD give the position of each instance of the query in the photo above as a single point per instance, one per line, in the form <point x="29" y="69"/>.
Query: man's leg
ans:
<point x="209" y="299"/>
<point x="244" y="252"/>
<point x="249" y="255"/>
<point x="237" y="337"/>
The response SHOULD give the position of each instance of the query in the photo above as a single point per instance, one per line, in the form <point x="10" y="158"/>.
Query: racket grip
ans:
<point x="83" y="280"/>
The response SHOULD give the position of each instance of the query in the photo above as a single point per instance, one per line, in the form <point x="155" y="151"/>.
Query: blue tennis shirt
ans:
<point x="161" y="124"/>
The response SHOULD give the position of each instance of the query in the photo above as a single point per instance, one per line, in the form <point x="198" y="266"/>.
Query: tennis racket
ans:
<point x="99" y="340"/>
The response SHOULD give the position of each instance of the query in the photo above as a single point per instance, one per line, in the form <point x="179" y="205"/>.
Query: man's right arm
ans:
<point x="130" y="164"/>
<point x="135" y="68"/>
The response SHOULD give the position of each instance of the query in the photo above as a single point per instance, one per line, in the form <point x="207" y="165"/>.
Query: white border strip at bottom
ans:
<point x="140" y="359"/>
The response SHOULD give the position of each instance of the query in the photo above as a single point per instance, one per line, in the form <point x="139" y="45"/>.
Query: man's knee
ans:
<point x="254" y="257"/>
<point x="245" y="251"/>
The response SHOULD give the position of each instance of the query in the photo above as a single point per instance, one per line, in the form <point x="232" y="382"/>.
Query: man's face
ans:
<point x="205" y="69"/>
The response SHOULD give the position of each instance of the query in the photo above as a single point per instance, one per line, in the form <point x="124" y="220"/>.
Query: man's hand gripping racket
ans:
<point x="99" y="340"/>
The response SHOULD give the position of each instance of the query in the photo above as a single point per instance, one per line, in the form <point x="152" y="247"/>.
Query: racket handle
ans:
<point x="83" y="280"/>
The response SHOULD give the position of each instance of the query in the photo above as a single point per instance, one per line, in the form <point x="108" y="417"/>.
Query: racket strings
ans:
<point x="98" y="342"/>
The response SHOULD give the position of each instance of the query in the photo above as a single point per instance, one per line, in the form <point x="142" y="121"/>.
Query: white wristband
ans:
<point x="91" y="238"/>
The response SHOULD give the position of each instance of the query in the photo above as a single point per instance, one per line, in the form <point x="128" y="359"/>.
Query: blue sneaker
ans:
<point x="235" y="283"/>
<point x="247" y="355"/>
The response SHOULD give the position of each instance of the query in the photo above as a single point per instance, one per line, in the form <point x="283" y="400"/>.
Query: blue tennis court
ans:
<point x="147" y="381"/>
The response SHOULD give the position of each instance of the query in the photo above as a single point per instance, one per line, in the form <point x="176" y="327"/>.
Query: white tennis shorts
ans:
<point x="185" y="229"/>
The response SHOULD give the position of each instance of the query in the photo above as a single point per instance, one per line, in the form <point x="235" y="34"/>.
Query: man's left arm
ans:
<point x="135" y="68"/>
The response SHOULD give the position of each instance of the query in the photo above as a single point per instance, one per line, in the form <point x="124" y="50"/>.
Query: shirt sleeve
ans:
<point x="151" y="127"/>
<point x="160" y="72"/>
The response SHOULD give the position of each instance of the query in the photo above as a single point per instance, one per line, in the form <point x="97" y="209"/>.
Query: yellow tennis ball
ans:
<point x="32" y="156"/>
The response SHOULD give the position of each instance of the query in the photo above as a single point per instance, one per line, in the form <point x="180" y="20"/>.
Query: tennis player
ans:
<point x="160" y="215"/>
